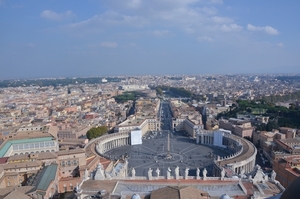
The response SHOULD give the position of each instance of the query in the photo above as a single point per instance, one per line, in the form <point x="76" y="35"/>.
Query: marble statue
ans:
<point x="197" y="172"/>
<point x="222" y="173"/>
<point x="204" y="172"/>
<point x="242" y="174"/>
<point x="150" y="173"/>
<point x="273" y="175"/>
<point x="99" y="174"/>
<point x="177" y="172"/>
<point x="133" y="172"/>
<point x="266" y="178"/>
<point x="157" y="172"/>
<point x="186" y="172"/>
<point x="168" y="173"/>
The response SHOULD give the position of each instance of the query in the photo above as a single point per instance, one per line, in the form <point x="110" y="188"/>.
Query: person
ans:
<point x="133" y="172"/>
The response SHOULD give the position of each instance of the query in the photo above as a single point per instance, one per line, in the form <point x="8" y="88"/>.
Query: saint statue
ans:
<point x="149" y="173"/>
<point x="204" y="172"/>
<point x="157" y="172"/>
<point x="197" y="172"/>
<point x="133" y="172"/>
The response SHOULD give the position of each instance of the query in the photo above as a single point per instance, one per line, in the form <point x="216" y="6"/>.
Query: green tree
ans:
<point x="159" y="91"/>
<point x="96" y="132"/>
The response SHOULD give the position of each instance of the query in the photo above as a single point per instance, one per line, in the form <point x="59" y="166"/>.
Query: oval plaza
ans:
<point x="212" y="150"/>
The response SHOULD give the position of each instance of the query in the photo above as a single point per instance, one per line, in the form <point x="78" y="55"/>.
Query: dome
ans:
<point x="135" y="196"/>
<point x="225" y="196"/>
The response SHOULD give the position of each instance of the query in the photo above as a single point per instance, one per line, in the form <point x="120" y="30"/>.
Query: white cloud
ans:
<point x="216" y="1"/>
<point x="191" y="16"/>
<point x="231" y="28"/>
<point x="221" y="20"/>
<point x="48" y="14"/>
<point x="205" y="39"/>
<point x="208" y="10"/>
<point x="110" y="18"/>
<point x="280" y="45"/>
<point x="134" y="3"/>
<point x="267" y="29"/>
<point x="159" y="33"/>
<point x="108" y="44"/>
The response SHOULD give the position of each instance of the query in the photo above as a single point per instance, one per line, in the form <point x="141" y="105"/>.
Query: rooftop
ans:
<point x="31" y="140"/>
<point x="48" y="175"/>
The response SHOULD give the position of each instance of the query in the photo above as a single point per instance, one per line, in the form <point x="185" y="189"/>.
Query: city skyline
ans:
<point x="135" y="37"/>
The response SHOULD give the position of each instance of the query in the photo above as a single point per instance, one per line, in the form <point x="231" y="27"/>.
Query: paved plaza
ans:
<point x="153" y="152"/>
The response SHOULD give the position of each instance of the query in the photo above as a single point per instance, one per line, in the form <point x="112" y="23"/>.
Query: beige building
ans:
<point x="238" y="127"/>
<point x="71" y="163"/>
<point x="145" y="117"/>
<point x="185" y="118"/>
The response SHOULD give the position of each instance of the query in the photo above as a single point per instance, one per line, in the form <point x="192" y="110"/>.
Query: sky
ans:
<point x="72" y="38"/>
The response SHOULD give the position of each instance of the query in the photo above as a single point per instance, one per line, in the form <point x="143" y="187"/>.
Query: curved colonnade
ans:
<point x="242" y="157"/>
<point x="241" y="161"/>
<point x="107" y="142"/>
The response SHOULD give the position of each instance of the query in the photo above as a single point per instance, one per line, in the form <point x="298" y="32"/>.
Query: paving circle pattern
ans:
<point x="184" y="151"/>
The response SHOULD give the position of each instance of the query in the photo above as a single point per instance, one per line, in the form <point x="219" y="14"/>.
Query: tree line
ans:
<point x="280" y="116"/>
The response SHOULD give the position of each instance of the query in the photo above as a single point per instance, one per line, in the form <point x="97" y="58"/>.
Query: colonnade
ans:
<point x="246" y="167"/>
<point x="111" y="141"/>
<point x="205" y="139"/>
<point x="243" y="152"/>
<point x="109" y="144"/>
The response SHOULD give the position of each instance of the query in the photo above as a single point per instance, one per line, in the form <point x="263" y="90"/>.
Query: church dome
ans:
<point x="225" y="196"/>
<point x="135" y="196"/>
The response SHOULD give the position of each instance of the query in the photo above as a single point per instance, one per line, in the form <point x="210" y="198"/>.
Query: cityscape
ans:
<point x="143" y="136"/>
<point x="160" y="99"/>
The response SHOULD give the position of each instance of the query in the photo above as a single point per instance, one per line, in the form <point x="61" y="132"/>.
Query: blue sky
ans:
<point x="70" y="38"/>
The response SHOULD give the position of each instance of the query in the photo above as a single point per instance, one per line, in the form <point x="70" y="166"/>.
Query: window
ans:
<point x="26" y="146"/>
<point x="46" y="144"/>
<point x="42" y="145"/>
<point x="31" y="145"/>
<point x="20" y="146"/>
<point x="37" y="145"/>
<point x="74" y="162"/>
<point x="69" y="162"/>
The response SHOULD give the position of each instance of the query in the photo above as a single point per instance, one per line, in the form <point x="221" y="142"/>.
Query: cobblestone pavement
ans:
<point x="184" y="152"/>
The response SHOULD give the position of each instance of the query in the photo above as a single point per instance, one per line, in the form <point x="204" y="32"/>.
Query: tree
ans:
<point x="96" y="132"/>
<point x="159" y="91"/>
